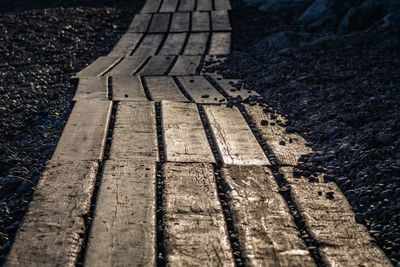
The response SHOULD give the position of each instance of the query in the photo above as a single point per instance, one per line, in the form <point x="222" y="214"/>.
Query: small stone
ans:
<point x="264" y="122"/>
<point x="282" y="143"/>
<point x="205" y="96"/>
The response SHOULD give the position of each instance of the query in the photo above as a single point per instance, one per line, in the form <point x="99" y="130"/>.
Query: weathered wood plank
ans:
<point x="195" y="231"/>
<point x="200" y="21"/>
<point x="204" y="5"/>
<point x="222" y="5"/>
<point x="180" y="22"/>
<point x="267" y="231"/>
<point x="196" y="44"/>
<point x="173" y="45"/>
<point x="151" y="6"/>
<point x="140" y="23"/>
<point x="159" y="23"/>
<point x="149" y="45"/>
<point x="235" y="141"/>
<point x="220" y="20"/>
<point x="128" y="66"/>
<point x="220" y="43"/>
<point x="287" y="147"/>
<point x="85" y="133"/>
<point x="125" y="45"/>
<point x="185" y="138"/>
<point x="331" y="222"/>
<point x="169" y="6"/>
<point x="186" y="5"/>
<point x="186" y="65"/>
<point x="134" y="133"/>
<point x="234" y="88"/>
<point x="91" y="88"/>
<point x="157" y="65"/>
<point x="200" y="89"/>
<point x="163" y="88"/>
<point x="54" y="227"/>
<point x="123" y="229"/>
<point x="127" y="88"/>
<point x="98" y="67"/>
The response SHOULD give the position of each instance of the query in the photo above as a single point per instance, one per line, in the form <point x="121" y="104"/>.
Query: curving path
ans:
<point x="156" y="166"/>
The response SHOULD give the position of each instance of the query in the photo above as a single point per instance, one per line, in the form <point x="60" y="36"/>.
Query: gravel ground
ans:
<point x="342" y="94"/>
<point x="40" y="49"/>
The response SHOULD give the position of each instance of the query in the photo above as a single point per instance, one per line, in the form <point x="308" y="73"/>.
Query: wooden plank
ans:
<point x="151" y="6"/>
<point x="267" y="231"/>
<point x="163" y="88"/>
<point x="331" y="222"/>
<point x="200" y="21"/>
<point x="287" y="147"/>
<point x="159" y="23"/>
<point x="173" y="45"/>
<point x="234" y="88"/>
<point x="98" y="67"/>
<point x="185" y="138"/>
<point x="84" y="135"/>
<point x="200" y="89"/>
<point x="125" y="45"/>
<point x="186" y="5"/>
<point x="204" y="5"/>
<point x="157" y="65"/>
<point x="54" y="228"/>
<point x="128" y="66"/>
<point x="186" y="65"/>
<point x="220" y="20"/>
<point x="197" y="44"/>
<point x="195" y="230"/>
<point x="123" y="229"/>
<point x="140" y="23"/>
<point x="169" y="6"/>
<point x="220" y="43"/>
<point x="127" y="88"/>
<point x="134" y="133"/>
<point x="149" y="45"/>
<point x="235" y="141"/>
<point x="180" y="22"/>
<point x="222" y="5"/>
<point x="91" y="88"/>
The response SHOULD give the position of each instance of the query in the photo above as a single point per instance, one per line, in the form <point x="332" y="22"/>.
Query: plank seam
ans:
<point x="137" y="45"/>
<point x="165" y="36"/>
<point x="109" y="68"/>
<point x="109" y="87"/>
<point x="171" y="66"/>
<point x="145" y="88"/>
<point x="182" y="89"/>
<point x="185" y="42"/>
<point x="217" y="87"/>
<point x="141" y="66"/>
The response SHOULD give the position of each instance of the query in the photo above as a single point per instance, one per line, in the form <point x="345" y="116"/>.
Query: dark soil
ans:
<point x="40" y="49"/>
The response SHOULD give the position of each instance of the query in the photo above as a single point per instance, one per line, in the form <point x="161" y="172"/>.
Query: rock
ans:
<point x="392" y="19"/>
<point x="384" y="139"/>
<point x="361" y="17"/>
<point x="274" y="6"/>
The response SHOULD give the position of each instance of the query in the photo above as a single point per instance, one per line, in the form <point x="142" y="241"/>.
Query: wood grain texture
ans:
<point x="204" y="5"/>
<point x="220" y="20"/>
<point x="164" y="88"/>
<point x="126" y="45"/>
<point x="134" y="135"/>
<point x="123" y="228"/>
<point x="195" y="231"/>
<point x="234" y="88"/>
<point x="128" y="66"/>
<point x="236" y="143"/>
<point x="157" y="65"/>
<point x="200" y="89"/>
<point x="169" y="5"/>
<point x="186" y="65"/>
<point x="53" y="229"/>
<point x="127" y="88"/>
<point x="200" y="21"/>
<point x="91" y="88"/>
<point x="180" y="22"/>
<point x="184" y="135"/>
<point x="267" y="231"/>
<point x="151" y="6"/>
<point x="173" y="44"/>
<point x="149" y="45"/>
<point x="331" y="222"/>
<point x="98" y="67"/>
<point x="186" y="5"/>
<point x="220" y="43"/>
<point x="196" y="44"/>
<point x="140" y="23"/>
<point x="85" y="133"/>
<point x="159" y="23"/>
<point x="222" y="5"/>
<point x="287" y="147"/>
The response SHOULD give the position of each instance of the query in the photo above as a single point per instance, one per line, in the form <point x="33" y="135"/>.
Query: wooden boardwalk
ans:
<point x="155" y="168"/>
